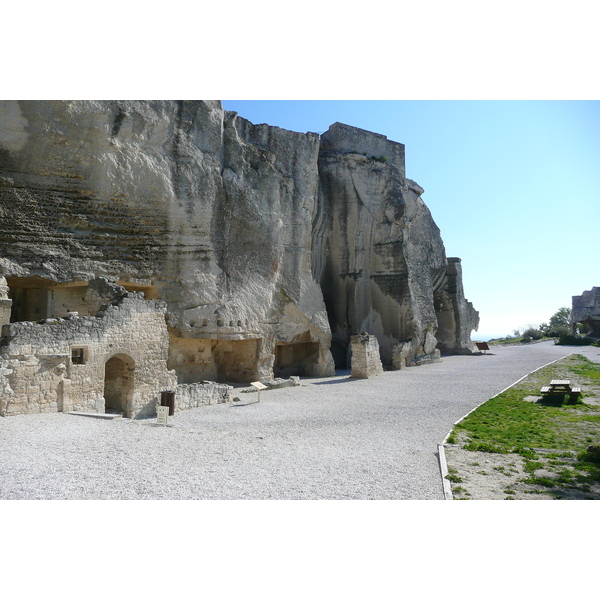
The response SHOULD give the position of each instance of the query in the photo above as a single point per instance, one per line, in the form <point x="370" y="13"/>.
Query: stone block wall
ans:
<point x="366" y="361"/>
<point x="60" y="365"/>
<point x="193" y="395"/>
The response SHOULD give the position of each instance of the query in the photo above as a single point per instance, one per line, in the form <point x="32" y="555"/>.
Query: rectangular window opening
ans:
<point x="79" y="355"/>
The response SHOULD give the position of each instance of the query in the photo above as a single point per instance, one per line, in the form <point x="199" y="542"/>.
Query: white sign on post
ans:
<point x="162" y="412"/>
<point x="258" y="386"/>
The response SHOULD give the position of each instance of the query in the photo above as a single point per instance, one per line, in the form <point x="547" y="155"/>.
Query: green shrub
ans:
<point x="573" y="340"/>
<point x="533" y="333"/>
<point x="591" y="455"/>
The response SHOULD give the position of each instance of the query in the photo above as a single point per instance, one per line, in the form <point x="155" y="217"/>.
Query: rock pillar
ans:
<point x="366" y="361"/>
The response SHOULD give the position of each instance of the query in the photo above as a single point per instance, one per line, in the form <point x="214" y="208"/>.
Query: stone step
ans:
<point x="97" y="415"/>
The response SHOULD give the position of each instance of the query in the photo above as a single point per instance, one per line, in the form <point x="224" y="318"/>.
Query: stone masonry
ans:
<point x="366" y="361"/>
<point x="193" y="395"/>
<point x="73" y="364"/>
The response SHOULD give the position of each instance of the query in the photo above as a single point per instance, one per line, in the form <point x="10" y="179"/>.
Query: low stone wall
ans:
<point x="193" y="395"/>
<point x="273" y="384"/>
<point x="366" y="361"/>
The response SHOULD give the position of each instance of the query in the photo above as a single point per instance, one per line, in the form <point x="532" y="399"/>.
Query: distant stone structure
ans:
<point x="161" y="245"/>
<point x="366" y="361"/>
<point x="586" y="310"/>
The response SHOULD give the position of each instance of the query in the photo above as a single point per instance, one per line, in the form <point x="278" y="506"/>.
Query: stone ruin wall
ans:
<point x="586" y="310"/>
<point x="259" y="242"/>
<point x="115" y="360"/>
<point x="59" y="365"/>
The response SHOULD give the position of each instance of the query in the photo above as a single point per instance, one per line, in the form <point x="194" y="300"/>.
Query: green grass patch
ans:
<point x="506" y="423"/>
<point x="588" y="369"/>
<point x="558" y="441"/>
<point x="530" y="466"/>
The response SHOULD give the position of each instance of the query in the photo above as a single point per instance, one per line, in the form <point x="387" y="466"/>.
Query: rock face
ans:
<point x="586" y="310"/>
<point x="378" y="253"/>
<point x="456" y="316"/>
<point x="259" y="242"/>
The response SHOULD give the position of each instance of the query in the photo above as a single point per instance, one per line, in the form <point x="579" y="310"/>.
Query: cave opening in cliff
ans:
<point x="339" y="351"/>
<point x="36" y="298"/>
<point x="150" y="291"/>
<point x="209" y="359"/>
<point x="291" y="359"/>
<point x="118" y="384"/>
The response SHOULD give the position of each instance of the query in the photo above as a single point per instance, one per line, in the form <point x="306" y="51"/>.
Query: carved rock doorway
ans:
<point x="118" y="384"/>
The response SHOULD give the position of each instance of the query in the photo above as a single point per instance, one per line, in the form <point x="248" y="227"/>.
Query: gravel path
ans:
<point x="335" y="438"/>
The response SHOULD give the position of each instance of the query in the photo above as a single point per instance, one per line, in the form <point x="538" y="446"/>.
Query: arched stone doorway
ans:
<point x="118" y="384"/>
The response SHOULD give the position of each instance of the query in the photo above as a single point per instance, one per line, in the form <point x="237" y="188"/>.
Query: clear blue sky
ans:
<point x="514" y="187"/>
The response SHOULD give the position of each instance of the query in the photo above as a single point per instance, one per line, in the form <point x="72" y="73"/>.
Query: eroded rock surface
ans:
<point x="379" y="254"/>
<point x="258" y="241"/>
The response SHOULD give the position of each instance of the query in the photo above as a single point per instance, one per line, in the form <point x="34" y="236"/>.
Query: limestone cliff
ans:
<point x="182" y="200"/>
<point x="379" y="255"/>
<point x="260" y="241"/>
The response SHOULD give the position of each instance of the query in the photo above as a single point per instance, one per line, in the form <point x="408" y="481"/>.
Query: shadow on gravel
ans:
<point x="239" y="403"/>
<point x="347" y="380"/>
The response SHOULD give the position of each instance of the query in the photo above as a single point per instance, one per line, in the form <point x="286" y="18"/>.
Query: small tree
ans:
<point x="559" y="324"/>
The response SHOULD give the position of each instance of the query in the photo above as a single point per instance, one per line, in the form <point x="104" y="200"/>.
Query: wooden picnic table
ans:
<point x="562" y="386"/>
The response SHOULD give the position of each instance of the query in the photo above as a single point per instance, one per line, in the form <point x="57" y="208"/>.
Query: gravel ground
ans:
<point x="334" y="438"/>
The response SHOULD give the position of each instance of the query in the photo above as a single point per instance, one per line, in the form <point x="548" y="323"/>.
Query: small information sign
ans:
<point x="162" y="412"/>
<point x="258" y="386"/>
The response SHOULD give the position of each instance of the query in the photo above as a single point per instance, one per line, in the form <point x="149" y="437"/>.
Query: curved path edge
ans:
<point x="441" y="452"/>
